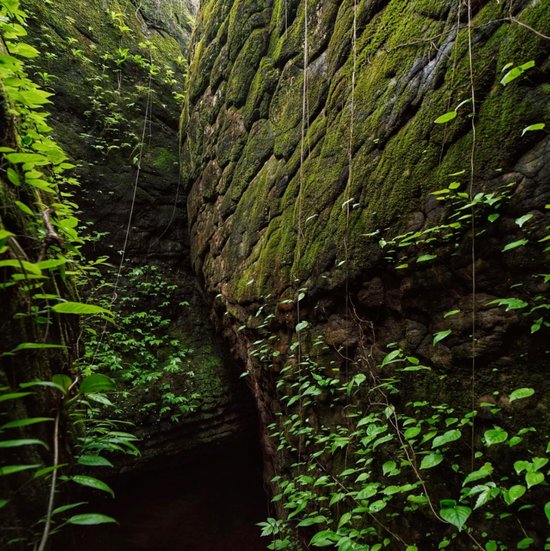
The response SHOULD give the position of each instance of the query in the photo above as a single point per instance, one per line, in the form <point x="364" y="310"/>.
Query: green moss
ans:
<point x="405" y="80"/>
<point x="258" y="149"/>
<point x="162" y="159"/>
<point x="244" y="68"/>
<point x="245" y="17"/>
<point x="261" y="92"/>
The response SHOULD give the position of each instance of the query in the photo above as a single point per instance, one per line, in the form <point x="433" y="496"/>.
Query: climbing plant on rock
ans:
<point x="40" y="260"/>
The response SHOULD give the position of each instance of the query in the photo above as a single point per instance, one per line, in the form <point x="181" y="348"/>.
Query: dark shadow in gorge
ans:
<point x="211" y="503"/>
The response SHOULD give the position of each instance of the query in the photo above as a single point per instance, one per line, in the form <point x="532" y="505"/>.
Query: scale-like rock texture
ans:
<point x="254" y="211"/>
<point x="297" y="189"/>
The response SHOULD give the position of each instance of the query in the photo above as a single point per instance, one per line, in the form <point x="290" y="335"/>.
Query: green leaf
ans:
<point x="4" y="234"/>
<point x="24" y="50"/>
<point x="426" y="257"/>
<point x="514" y="493"/>
<point x="515" y="244"/>
<point x="335" y="498"/>
<point x="440" y="336"/>
<point x="533" y="479"/>
<point x="13" y="396"/>
<point x="10" y="469"/>
<point x="79" y="308"/>
<point x="64" y="508"/>
<point x="510" y="303"/>
<point x="530" y="128"/>
<point x="446" y="117"/>
<point x="344" y="519"/>
<point x="521" y="393"/>
<point x="485" y="471"/>
<point x="324" y="538"/>
<point x="420" y="500"/>
<point x="377" y="506"/>
<point x="456" y="515"/>
<point x="312" y="520"/>
<point x="516" y="72"/>
<point x="21" y="265"/>
<point x="96" y="383"/>
<point x="488" y="492"/>
<point x="40" y="184"/>
<point x="412" y="548"/>
<point x="25" y="422"/>
<point x="13" y="177"/>
<point x="90" y="519"/>
<point x="520" y="466"/>
<point x="293" y="400"/>
<point x="3" y="503"/>
<point x="390" y="490"/>
<point x="101" y="399"/>
<point x="451" y="313"/>
<point x="495" y="436"/>
<point x="388" y="467"/>
<point x="368" y="491"/>
<point x="36" y="346"/>
<point x="301" y="325"/>
<point x="392" y="357"/>
<point x="493" y="217"/>
<point x="94" y="461"/>
<point x="22" y="442"/>
<point x="525" y="543"/>
<point x="63" y="381"/>
<point x="520" y="221"/>
<point x="539" y="463"/>
<point x="32" y="98"/>
<point x="449" y="436"/>
<point x="51" y="263"/>
<point x="431" y="460"/>
<point x="48" y="470"/>
<point x="412" y="432"/>
<point x="41" y="383"/>
<point x="92" y="483"/>
<point x="491" y="546"/>
<point x="34" y="158"/>
<point x="547" y="511"/>
<point x="24" y="208"/>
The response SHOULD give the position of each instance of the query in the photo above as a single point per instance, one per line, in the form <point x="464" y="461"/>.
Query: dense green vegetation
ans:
<point x="368" y="202"/>
<point x="42" y="263"/>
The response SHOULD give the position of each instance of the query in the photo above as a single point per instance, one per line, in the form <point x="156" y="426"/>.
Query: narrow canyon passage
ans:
<point x="326" y="218"/>
<point x="209" y="504"/>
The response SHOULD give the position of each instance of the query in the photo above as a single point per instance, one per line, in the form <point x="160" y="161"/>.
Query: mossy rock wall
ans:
<point x="103" y="107"/>
<point x="287" y="230"/>
<point x="242" y="147"/>
<point x="96" y="57"/>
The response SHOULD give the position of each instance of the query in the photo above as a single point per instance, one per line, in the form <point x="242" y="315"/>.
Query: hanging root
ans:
<point x="51" y="237"/>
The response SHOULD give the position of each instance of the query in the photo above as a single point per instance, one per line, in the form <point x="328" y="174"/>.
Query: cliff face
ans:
<point x="118" y="70"/>
<point x="311" y="159"/>
<point x="243" y="126"/>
